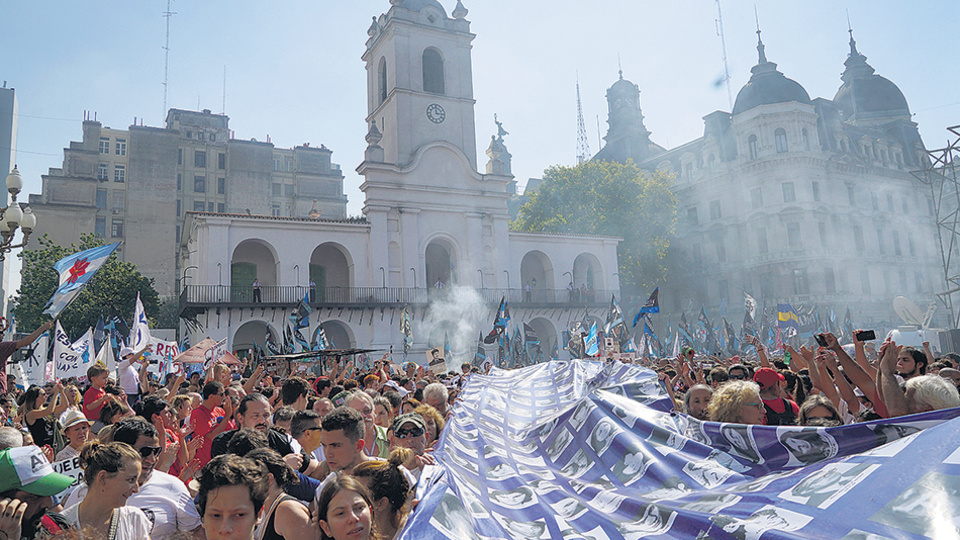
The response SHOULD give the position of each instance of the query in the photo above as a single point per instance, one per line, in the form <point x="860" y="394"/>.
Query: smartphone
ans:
<point x="866" y="335"/>
<point x="821" y="340"/>
<point x="786" y="358"/>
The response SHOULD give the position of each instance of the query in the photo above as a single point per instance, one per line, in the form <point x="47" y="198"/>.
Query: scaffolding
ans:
<point x="943" y="178"/>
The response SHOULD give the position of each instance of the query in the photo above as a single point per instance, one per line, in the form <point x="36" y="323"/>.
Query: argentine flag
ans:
<point x="75" y="271"/>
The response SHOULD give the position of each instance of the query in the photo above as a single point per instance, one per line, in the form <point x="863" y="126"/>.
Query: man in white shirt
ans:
<point x="129" y="375"/>
<point x="162" y="497"/>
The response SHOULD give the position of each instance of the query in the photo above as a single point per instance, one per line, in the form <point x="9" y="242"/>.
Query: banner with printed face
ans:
<point x="580" y="449"/>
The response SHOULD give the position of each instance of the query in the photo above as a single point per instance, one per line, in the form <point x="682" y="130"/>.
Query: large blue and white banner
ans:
<point x="585" y="450"/>
<point x="75" y="271"/>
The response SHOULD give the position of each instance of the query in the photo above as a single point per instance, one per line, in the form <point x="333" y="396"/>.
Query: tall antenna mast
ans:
<point x="583" y="146"/>
<point x="166" y="57"/>
<point x="723" y="45"/>
<point x="223" y="107"/>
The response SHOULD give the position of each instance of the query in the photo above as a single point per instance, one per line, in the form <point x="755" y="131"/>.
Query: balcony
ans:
<point x="203" y="296"/>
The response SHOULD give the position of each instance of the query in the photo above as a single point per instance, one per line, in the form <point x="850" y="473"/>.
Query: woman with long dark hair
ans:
<point x="40" y="414"/>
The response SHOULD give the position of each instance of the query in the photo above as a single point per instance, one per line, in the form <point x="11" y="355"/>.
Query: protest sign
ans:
<point x="436" y="361"/>
<point x="68" y="362"/>
<point x="214" y="353"/>
<point x="70" y="467"/>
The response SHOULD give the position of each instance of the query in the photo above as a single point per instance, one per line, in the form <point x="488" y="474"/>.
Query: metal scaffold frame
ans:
<point x="942" y="176"/>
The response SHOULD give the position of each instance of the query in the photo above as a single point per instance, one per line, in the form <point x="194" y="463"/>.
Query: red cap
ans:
<point x="767" y="377"/>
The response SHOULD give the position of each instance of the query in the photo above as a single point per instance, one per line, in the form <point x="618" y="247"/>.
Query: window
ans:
<point x="277" y="163"/>
<point x="104" y="145"/>
<point x="179" y="156"/>
<point x="189" y="134"/>
<point x="858" y="237"/>
<point x="199" y="184"/>
<point x="221" y="160"/>
<point x="816" y="191"/>
<point x="875" y="201"/>
<point x="287" y="165"/>
<point x="432" y="71"/>
<point x="865" y="280"/>
<point x="221" y="186"/>
<point x="789" y="195"/>
<point x="762" y="241"/>
<point x="752" y="145"/>
<point x="780" y="138"/>
<point x="209" y="207"/>
<point x="852" y="194"/>
<point x="288" y="190"/>
<point x="121" y="147"/>
<point x="213" y="137"/>
<point x="912" y="247"/>
<point x="220" y="208"/>
<point x="179" y="181"/>
<point x="100" y="227"/>
<point x="766" y="285"/>
<point x="829" y="281"/>
<point x="721" y="250"/>
<point x="275" y="210"/>
<point x="692" y="217"/>
<point x="119" y="198"/>
<point x="116" y="228"/>
<point x="711" y="163"/>
<point x="200" y="159"/>
<point x="103" y="171"/>
<point x="896" y="244"/>
<point x="198" y="206"/>
<point x="200" y="135"/>
<point x="800" y="283"/>
<point x="890" y="202"/>
<point x="119" y="173"/>
<point x="756" y="197"/>
<point x="822" y="227"/>
<point x="177" y="238"/>
<point x="715" y="210"/>
<point x="382" y="80"/>
<point x="688" y="171"/>
<point x="179" y="209"/>
<point x="277" y="190"/>
<point x="793" y="235"/>
<point x="806" y="139"/>
<point x="881" y="243"/>
<point x="102" y="199"/>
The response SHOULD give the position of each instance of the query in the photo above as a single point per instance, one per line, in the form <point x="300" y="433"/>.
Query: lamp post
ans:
<point x="219" y="275"/>
<point x="571" y="276"/>
<point x="481" y="279"/>
<point x="383" y="278"/>
<point x="183" y="278"/>
<point x="297" y="268"/>
<point x="507" y="272"/>
<point x="414" y="270"/>
<point x="13" y="217"/>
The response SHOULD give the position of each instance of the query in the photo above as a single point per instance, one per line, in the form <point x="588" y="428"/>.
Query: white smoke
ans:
<point x="461" y="313"/>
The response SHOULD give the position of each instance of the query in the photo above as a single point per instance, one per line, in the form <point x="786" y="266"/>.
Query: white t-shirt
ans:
<point x="67" y="453"/>
<point x="164" y="500"/>
<point x="132" y="525"/>
<point x="129" y="378"/>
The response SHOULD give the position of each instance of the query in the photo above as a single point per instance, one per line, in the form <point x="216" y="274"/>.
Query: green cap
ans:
<point x="27" y="469"/>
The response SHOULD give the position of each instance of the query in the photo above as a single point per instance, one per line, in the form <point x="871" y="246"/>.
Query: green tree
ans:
<point x="609" y="199"/>
<point x="112" y="291"/>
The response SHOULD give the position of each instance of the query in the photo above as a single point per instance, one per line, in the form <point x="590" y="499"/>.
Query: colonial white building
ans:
<point x="431" y="221"/>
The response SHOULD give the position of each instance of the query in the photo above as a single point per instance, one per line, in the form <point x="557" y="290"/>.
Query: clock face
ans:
<point x="435" y="113"/>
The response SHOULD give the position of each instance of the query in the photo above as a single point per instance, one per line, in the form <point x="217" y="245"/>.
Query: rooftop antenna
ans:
<point x="583" y="146"/>
<point x="223" y="106"/>
<point x="619" y="66"/>
<point x="599" y="140"/>
<point x="723" y="45"/>
<point x="166" y="56"/>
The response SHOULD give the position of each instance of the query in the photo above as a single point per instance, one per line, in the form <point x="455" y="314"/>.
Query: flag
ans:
<point x="141" y="328"/>
<point x="644" y="348"/>
<point x="407" y="330"/>
<point x="519" y="358"/>
<point x="318" y="342"/>
<point x="848" y="326"/>
<point x="84" y="347"/>
<point x="731" y="338"/>
<point x="34" y="361"/>
<point x="709" y="338"/>
<point x="499" y="322"/>
<point x="301" y="315"/>
<point x="531" y="344"/>
<point x="481" y="354"/>
<point x="591" y="346"/>
<point x="105" y="357"/>
<point x="99" y="334"/>
<point x="788" y="318"/>
<point x="684" y="329"/>
<point x="750" y="304"/>
<point x="287" y="339"/>
<point x="652" y="305"/>
<point x="300" y="340"/>
<point x="446" y="348"/>
<point x="748" y="327"/>
<point x="271" y="342"/>
<point x="75" y="271"/>
<point x="676" y="346"/>
<point x="779" y="345"/>
<point x="614" y="326"/>
<point x="68" y="362"/>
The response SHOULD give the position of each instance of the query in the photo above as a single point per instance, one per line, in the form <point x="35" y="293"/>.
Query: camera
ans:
<point x="866" y="335"/>
<point x="821" y="340"/>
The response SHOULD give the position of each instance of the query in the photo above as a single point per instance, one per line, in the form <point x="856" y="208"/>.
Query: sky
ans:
<point x="290" y="70"/>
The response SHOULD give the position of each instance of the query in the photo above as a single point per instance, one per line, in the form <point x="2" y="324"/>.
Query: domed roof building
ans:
<point x="768" y="86"/>
<point x="865" y="95"/>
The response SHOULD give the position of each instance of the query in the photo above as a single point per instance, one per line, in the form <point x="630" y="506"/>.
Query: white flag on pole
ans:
<point x="34" y="367"/>
<point x="141" y="330"/>
<point x="68" y="362"/>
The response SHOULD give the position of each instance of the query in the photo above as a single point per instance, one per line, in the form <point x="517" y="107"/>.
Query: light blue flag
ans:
<point x="591" y="345"/>
<point x="75" y="271"/>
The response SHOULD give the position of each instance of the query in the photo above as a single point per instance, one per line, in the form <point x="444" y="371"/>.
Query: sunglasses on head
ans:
<point x="411" y="432"/>
<point x="148" y="451"/>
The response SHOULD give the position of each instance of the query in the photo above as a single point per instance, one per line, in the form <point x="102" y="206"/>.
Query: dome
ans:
<point x="623" y="87"/>
<point x="865" y="93"/>
<point x="417" y="5"/>
<point x="767" y="86"/>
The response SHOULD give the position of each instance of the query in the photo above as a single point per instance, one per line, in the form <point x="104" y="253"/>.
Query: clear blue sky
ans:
<point x="293" y="68"/>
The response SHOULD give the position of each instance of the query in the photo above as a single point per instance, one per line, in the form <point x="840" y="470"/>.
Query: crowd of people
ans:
<point x="238" y="453"/>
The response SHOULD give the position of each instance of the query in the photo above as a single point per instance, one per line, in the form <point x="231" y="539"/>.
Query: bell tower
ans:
<point x="420" y="79"/>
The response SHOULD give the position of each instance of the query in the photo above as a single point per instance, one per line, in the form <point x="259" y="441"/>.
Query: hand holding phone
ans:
<point x="865" y="335"/>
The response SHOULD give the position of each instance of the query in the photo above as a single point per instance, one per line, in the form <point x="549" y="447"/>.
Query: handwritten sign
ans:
<point x="70" y="467"/>
<point x="215" y="353"/>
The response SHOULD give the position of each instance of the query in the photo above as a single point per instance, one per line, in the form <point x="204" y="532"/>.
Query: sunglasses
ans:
<point x="738" y="377"/>
<point x="412" y="432"/>
<point x="148" y="451"/>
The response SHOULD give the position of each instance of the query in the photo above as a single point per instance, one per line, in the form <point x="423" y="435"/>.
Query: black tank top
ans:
<point x="786" y="418"/>
<point x="42" y="431"/>
<point x="269" y="533"/>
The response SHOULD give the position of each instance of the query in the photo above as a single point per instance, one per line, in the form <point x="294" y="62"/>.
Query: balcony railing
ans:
<point x="224" y="295"/>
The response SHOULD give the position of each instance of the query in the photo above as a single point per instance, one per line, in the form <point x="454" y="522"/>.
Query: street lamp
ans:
<point x="508" y="278"/>
<point x="383" y="277"/>
<point x="13" y="217"/>
<point x="571" y="276"/>
<point x="481" y="278"/>
<point x="297" y="268"/>
<point x="219" y="275"/>
<point x="183" y="278"/>
<point x="414" y="270"/>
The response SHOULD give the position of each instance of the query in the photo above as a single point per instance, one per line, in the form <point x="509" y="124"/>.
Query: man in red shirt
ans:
<point x="780" y="411"/>
<point x="209" y="419"/>
<point x="7" y="348"/>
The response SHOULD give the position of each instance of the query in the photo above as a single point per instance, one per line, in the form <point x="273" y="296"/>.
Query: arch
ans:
<point x="339" y="335"/>
<point x="252" y="334"/>
<point x="432" y="71"/>
<point x="588" y="271"/>
<point x="330" y="266"/>
<point x="382" y="80"/>
<point x="440" y="261"/>
<point x="752" y="146"/>
<point x="780" y="140"/>
<point x="547" y="334"/>
<point x="252" y="259"/>
<point x="536" y="269"/>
